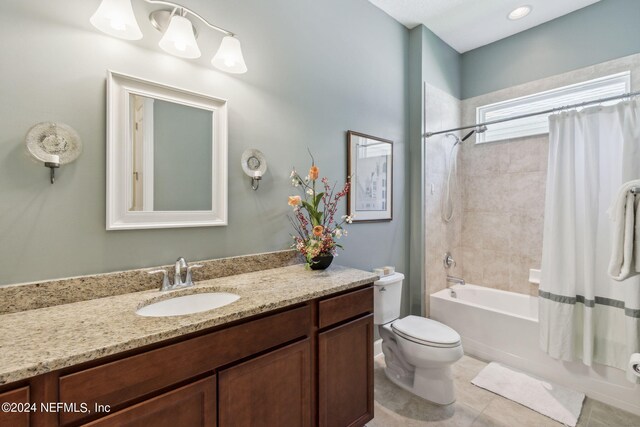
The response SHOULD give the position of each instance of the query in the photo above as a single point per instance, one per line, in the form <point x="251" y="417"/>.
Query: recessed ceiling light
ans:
<point x="520" y="12"/>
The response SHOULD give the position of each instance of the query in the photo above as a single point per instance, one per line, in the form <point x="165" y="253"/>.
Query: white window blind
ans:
<point x="613" y="85"/>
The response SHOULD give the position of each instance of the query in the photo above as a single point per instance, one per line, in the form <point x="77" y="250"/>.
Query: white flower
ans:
<point x="295" y="182"/>
<point x="310" y="191"/>
<point x="338" y="233"/>
<point x="306" y="178"/>
<point x="348" y="218"/>
<point x="293" y="173"/>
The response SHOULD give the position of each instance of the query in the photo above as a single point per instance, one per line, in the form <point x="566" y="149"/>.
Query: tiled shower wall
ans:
<point x="442" y="112"/>
<point x="504" y="189"/>
<point x="496" y="232"/>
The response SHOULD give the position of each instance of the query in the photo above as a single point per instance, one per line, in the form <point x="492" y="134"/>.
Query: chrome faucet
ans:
<point x="177" y="276"/>
<point x="178" y="283"/>
<point x="455" y="280"/>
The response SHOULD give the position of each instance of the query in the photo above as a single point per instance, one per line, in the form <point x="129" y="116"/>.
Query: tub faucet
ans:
<point x="455" y="280"/>
<point x="177" y="277"/>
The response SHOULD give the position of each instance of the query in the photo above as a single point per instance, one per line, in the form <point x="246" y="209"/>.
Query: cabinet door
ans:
<point x="193" y="405"/>
<point x="345" y="368"/>
<point x="270" y="390"/>
<point x="18" y="415"/>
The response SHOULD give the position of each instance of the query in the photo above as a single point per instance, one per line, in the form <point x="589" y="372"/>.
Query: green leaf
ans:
<point x="309" y="208"/>
<point x="317" y="200"/>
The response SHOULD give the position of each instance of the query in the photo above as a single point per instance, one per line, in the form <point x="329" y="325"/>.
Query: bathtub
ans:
<point x="502" y="326"/>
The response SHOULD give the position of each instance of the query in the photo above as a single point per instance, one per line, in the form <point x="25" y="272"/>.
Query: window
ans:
<point x="604" y="87"/>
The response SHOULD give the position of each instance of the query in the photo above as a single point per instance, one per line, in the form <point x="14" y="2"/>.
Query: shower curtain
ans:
<point x="584" y="314"/>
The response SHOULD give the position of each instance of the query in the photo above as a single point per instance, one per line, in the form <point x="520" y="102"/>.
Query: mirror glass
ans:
<point x="166" y="156"/>
<point x="171" y="152"/>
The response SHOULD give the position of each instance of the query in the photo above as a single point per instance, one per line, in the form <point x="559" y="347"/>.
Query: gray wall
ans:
<point x="441" y="64"/>
<point x="181" y="157"/>
<point x="601" y="32"/>
<point x="316" y="69"/>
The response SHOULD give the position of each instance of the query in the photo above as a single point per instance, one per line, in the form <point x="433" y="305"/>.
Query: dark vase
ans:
<point x="321" y="262"/>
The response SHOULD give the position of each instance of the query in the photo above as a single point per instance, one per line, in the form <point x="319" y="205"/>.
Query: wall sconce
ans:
<point x="116" y="18"/>
<point x="54" y="144"/>
<point x="254" y="164"/>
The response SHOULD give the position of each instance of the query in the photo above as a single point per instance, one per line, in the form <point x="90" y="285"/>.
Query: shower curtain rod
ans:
<point x="550" y="111"/>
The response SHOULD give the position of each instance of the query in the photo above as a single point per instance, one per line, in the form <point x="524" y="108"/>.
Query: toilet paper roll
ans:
<point x="634" y="364"/>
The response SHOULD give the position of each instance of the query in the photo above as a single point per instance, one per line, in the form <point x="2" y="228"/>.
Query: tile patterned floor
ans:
<point x="475" y="407"/>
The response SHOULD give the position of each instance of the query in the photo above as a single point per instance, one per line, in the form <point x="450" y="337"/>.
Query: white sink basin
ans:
<point x="188" y="304"/>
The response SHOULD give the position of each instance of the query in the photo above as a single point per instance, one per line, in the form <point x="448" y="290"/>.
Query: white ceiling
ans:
<point x="468" y="24"/>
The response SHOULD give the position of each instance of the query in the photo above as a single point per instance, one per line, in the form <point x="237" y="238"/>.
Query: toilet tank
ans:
<point x="387" y="295"/>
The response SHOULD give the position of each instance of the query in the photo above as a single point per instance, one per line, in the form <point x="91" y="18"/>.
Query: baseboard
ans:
<point x="377" y="347"/>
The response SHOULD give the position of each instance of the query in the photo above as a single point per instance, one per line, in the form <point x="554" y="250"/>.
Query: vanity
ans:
<point x="294" y="350"/>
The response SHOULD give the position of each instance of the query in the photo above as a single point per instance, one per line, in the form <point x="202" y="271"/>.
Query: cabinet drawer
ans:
<point x="121" y="381"/>
<point x="344" y="307"/>
<point x="193" y="405"/>
<point x="17" y="417"/>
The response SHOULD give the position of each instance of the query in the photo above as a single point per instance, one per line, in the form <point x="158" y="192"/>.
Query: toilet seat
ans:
<point x="427" y="332"/>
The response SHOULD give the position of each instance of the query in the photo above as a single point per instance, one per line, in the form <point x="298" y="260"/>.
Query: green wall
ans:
<point x="601" y="32"/>
<point x="316" y="70"/>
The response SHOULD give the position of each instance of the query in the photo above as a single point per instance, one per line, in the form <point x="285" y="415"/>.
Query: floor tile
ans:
<point x="603" y="414"/>
<point x="508" y="413"/>
<point x="475" y="407"/>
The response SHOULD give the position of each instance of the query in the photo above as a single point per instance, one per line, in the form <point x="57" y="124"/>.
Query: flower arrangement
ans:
<point x="314" y="216"/>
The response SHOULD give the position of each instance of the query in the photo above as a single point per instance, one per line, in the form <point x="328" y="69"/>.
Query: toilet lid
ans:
<point x="426" y="331"/>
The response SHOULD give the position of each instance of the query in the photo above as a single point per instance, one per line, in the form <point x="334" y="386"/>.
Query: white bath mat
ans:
<point x="556" y="402"/>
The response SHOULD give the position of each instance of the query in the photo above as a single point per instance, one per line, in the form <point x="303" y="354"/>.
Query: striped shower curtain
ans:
<point x="584" y="314"/>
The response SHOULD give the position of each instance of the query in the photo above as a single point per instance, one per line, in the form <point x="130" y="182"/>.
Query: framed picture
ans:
<point x="370" y="166"/>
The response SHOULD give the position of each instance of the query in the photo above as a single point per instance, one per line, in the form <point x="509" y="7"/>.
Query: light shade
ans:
<point x="179" y="39"/>
<point x="116" y="18"/>
<point x="229" y="56"/>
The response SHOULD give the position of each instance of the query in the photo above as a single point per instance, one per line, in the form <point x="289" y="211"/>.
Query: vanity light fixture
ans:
<point x="519" y="12"/>
<point x="179" y="39"/>
<point x="53" y="144"/>
<point x="116" y="18"/>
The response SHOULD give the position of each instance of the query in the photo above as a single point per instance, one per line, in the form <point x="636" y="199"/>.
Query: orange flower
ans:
<point x="317" y="230"/>
<point x="294" y="200"/>
<point x="313" y="173"/>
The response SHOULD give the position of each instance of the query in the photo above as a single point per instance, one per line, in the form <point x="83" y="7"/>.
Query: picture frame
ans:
<point x="370" y="168"/>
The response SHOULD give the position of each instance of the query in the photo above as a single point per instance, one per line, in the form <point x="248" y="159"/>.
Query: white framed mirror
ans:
<point x="166" y="156"/>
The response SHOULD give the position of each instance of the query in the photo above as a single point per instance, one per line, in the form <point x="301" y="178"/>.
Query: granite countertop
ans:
<point x="37" y="341"/>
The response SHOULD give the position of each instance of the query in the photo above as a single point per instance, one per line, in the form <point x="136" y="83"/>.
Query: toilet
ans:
<point x="418" y="352"/>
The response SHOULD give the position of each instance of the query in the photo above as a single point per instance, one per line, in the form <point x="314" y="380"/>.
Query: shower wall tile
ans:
<point x="527" y="155"/>
<point x="486" y="159"/>
<point x="525" y="235"/>
<point x="496" y="269"/>
<point x="442" y="111"/>
<point x="519" y="266"/>
<point x="526" y="193"/>
<point x="486" y="193"/>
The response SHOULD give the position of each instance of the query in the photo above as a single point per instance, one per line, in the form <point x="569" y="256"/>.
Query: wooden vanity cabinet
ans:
<point x="345" y="360"/>
<point x="306" y="366"/>
<point x="192" y="405"/>
<point x="14" y="414"/>
<point x="274" y="389"/>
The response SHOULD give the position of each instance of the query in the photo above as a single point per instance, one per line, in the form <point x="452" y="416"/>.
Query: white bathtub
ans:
<point x="502" y="326"/>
